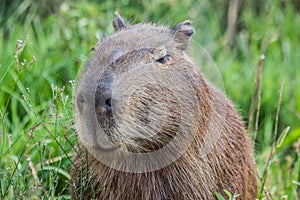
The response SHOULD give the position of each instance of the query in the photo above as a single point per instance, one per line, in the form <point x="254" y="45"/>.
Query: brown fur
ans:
<point x="229" y="165"/>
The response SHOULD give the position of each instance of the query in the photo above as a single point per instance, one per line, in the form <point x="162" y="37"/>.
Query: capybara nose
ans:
<point x="103" y="93"/>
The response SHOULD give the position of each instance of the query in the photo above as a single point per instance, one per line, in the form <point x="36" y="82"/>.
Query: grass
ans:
<point x="43" y="45"/>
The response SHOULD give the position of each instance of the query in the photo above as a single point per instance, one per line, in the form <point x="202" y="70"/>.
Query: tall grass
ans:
<point x="42" y="48"/>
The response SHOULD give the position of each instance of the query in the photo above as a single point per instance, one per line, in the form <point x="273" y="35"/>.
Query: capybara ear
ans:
<point x="118" y="22"/>
<point x="182" y="34"/>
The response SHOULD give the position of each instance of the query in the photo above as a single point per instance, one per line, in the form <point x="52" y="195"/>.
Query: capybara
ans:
<point x="150" y="125"/>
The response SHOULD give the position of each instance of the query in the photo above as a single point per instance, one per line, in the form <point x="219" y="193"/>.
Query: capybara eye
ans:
<point x="164" y="59"/>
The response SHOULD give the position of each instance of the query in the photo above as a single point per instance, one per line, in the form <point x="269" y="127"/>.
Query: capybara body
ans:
<point x="151" y="127"/>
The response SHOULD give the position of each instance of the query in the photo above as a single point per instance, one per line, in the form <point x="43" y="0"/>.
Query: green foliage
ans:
<point x="229" y="195"/>
<point x="43" y="44"/>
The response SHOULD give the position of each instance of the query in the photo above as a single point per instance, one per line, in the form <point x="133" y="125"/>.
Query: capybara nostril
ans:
<point x="103" y="104"/>
<point x="108" y="102"/>
<point x="107" y="105"/>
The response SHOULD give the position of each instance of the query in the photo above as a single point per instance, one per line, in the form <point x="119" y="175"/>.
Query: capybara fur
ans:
<point x="150" y="126"/>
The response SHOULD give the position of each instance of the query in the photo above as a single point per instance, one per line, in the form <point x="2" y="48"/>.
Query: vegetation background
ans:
<point x="43" y="44"/>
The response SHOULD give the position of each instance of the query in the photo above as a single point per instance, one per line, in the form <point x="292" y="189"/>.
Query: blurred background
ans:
<point x="44" y="43"/>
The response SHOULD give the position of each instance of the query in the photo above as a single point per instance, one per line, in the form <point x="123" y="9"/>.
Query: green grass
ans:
<point x="44" y="43"/>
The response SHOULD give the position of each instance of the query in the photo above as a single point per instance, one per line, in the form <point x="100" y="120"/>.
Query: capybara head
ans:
<point x="140" y="92"/>
<point x="153" y="127"/>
